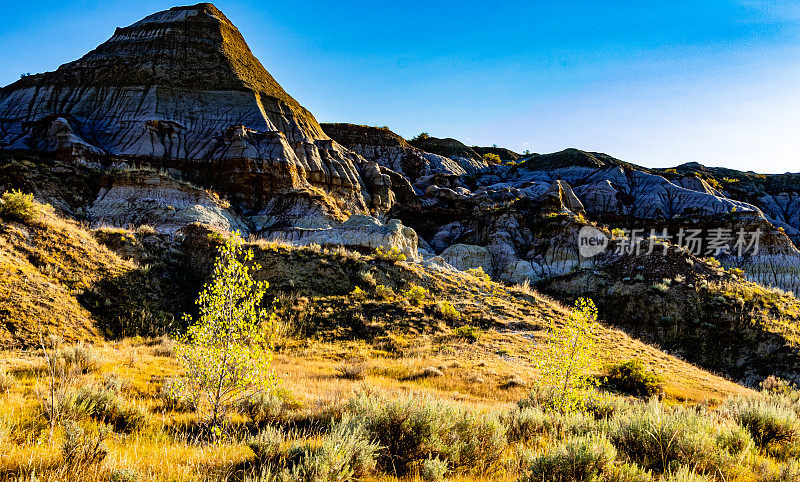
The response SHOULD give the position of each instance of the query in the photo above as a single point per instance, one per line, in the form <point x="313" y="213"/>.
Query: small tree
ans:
<point x="60" y="375"/>
<point x="492" y="158"/>
<point x="227" y="351"/>
<point x="570" y="353"/>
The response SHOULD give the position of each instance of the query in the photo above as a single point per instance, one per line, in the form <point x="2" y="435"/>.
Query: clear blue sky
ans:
<point x="655" y="83"/>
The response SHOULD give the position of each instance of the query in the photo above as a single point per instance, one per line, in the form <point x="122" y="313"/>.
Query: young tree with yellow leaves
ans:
<point x="227" y="351"/>
<point x="568" y="355"/>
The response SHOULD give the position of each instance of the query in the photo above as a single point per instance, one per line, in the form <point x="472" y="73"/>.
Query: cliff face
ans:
<point x="181" y="90"/>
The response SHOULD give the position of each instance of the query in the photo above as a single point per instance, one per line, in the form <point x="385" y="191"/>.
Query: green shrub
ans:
<point x="109" y="407"/>
<point x="602" y="405"/>
<point x="269" y="405"/>
<point x="358" y="294"/>
<point x="384" y="292"/>
<point x="773" y="384"/>
<point x="492" y="158"/>
<point x="18" y="206"/>
<point x="123" y="475"/>
<point x="415" y="294"/>
<point x="481" y="441"/>
<point x="268" y="446"/>
<point x="413" y="429"/>
<point x="113" y="382"/>
<point x="433" y="469"/>
<point x="80" y="449"/>
<point x="526" y="423"/>
<point x="656" y="438"/>
<point x="788" y="472"/>
<point x="581" y="458"/>
<point x="734" y="440"/>
<point x="479" y="273"/>
<point x="469" y="333"/>
<point x="631" y="377"/>
<point x="770" y="423"/>
<point x="448" y="311"/>
<point x="346" y="453"/>
<point x="661" y="287"/>
<point x="538" y="396"/>
<point x="626" y="473"/>
<point x="684" y="473"/>
<point x="390" y="254"/>
<point x="80" y="357"/>
<point x="174" y="397"/>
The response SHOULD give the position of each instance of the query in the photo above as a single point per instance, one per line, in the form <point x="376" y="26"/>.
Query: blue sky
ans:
<point x="654" y="83"/>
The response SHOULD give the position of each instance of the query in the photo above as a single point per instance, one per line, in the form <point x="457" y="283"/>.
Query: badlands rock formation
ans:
<point x="470" y="160"/>
<point x="175" y="121"/>
<point x="147" y="197"/>
<point x="180" y="91"/>
<point x="519" y="220"/>
<point x="386" y="148"/>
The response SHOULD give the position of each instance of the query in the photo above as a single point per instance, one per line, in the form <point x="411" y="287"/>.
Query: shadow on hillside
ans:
<point x="146" y="301"/>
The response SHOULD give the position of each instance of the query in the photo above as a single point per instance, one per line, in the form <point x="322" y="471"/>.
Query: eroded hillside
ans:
<point x="101" y="284"/>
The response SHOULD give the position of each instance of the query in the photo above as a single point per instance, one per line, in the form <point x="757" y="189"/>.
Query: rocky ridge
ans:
<point x="180" y="91"/>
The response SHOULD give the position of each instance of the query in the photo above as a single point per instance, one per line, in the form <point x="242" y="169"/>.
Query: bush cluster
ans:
<point x="18" y="206"/>
<point x="81" y="449"/>
<point x="345" y="453"/>
<point x="479" y="273"/>
<point x="384" y="292"/>
<point x="657" y="438"/>
<point x="415" y="294"/>
<point x="771" y="424"/>
<point x="392" y="253"/>
<point x="412" y="430"/>
<point x="631" y="377"/>
<point x="80" y="357"/>
<point x="270" y="405"/>
<point x="528" y="422"/>
<point x="469" y="333"/>
<point x="579" y="458"/>
<point x="109" y="407"/>
<point x="448" y="311"/>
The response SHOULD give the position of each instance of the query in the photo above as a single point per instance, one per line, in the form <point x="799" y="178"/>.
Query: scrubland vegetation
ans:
<point x="399" y="374"/>
<point x="112" y="413"/>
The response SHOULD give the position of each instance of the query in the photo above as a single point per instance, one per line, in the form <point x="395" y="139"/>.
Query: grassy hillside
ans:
<point x="361" y="335"/>
<point x="58" y="279"/>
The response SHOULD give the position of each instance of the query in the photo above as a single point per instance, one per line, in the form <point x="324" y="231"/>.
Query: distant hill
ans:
<point x="576" y="158"/>
<point x="505" y="154"/>
<point x="447" y="147"/>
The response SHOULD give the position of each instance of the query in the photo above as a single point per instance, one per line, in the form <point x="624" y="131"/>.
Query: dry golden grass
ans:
<point x="475" y="374"/>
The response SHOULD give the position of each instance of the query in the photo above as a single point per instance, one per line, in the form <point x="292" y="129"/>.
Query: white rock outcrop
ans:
<point x="358" y="231"/>
<point x="468" y="256"/>
<point x="161" y="202"/>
